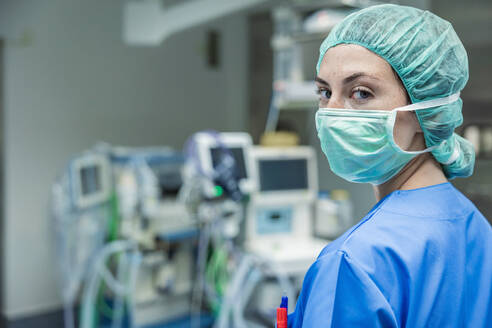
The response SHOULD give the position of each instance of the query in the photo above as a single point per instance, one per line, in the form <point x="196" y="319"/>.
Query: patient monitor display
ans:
<point x="226" y="157"/>
<point x="283" y="174"/>
<point x="90" y="180"/>
<point x="238" y="155"/>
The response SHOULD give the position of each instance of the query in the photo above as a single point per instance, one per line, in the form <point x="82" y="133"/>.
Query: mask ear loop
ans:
<point x="390" y="126"/>
<point x="430" y="103"/>
<point x="390" y="123"/>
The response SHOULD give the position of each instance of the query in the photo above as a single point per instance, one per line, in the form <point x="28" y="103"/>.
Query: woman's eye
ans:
<point x="361" y="94"/>
<point x="325" y="94"/>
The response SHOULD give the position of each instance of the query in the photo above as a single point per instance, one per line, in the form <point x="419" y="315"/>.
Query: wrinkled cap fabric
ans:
<point x="430" y="60"/>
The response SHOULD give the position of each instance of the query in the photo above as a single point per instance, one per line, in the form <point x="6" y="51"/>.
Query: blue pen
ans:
<point x="285" y="302"/>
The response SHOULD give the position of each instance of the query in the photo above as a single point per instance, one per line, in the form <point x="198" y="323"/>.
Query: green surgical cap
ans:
<point x="430" y="60"/>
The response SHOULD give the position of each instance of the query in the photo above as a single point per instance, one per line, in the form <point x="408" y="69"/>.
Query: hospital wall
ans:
<point x="70" y="82"/>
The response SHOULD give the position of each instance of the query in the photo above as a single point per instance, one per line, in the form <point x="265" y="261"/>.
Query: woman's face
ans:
<point x="353" y="77"/>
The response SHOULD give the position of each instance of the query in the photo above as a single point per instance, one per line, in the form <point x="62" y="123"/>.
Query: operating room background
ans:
<point x="68" y="81"/>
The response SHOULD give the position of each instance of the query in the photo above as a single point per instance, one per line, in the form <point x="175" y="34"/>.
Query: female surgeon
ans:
<point x="389" y="79"/>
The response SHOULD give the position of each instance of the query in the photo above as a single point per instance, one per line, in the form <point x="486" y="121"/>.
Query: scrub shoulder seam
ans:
<point x="460" y="216"/>
<point x="369" y="216"/>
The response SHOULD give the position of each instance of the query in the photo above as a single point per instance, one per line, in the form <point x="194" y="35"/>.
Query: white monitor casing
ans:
<point x="100" y="161"/>
<point x="206" y="142"/>
<point x="300" y="200"/>
<point x="307" y="153"/>
<point x="291" y="251"/>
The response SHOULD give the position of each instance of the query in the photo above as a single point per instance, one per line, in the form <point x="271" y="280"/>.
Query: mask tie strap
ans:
<point x="421" y="105"/>
<point x="430" y="103"/>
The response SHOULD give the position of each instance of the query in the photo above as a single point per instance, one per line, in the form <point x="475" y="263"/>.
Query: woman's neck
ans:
<point x="422" y="171"/>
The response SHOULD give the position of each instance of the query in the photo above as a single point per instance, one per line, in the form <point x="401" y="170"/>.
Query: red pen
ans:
<point x="282" y="313"/>
<point x="281" y="317"/>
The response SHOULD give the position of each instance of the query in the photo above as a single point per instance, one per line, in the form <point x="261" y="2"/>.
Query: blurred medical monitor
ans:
<point x="211" y="146"/>
<point x="285" y="172"/>
<point x="90" y="177"/>
<point x="237" y="154"/>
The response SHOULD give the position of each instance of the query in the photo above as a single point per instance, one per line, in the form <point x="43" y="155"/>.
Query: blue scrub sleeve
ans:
<point x="337" y="293"/>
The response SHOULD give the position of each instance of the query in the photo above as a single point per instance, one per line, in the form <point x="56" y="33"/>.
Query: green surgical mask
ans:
<point x="360" y="145"/>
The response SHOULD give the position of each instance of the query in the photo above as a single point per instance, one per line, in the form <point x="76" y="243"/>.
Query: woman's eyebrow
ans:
<point x="348" y="79"/>
<point x="320" y="80"/>
<point x="355" y="76"/>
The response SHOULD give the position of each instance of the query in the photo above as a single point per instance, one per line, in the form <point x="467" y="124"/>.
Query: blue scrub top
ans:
<point x="420" y="258"/>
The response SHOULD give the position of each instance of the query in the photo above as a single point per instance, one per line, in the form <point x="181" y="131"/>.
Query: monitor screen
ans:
<point x="238" y="155"/>
<point x="90" y="178"/>
<point x="283" y="174"/>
